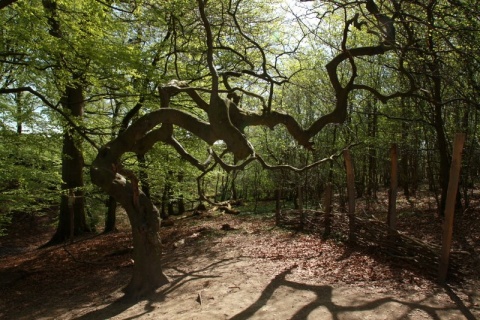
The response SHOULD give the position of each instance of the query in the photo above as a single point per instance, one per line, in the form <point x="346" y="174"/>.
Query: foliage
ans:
<point x="30" y="174"/>
<point x="127" y="50"/>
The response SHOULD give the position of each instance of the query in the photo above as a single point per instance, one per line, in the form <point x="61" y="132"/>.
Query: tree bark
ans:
<point x="144" y="220"/>
<point x="147" y="269"/>
<point x="438" y="122"/>
<point x="72" y="204"/>
<point x="72" y="172"/>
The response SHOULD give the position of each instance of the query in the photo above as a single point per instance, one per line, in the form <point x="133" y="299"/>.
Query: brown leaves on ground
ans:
<point x="74" y="277"/>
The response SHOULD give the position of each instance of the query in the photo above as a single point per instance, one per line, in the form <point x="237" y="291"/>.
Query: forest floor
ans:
<point x="235" y="267"/>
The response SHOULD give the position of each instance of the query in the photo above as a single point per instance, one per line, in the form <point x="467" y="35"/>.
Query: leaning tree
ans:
<point x="223" y="103"/>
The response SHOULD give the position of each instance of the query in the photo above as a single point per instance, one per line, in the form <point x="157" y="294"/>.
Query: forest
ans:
<point x="327" y="148"/>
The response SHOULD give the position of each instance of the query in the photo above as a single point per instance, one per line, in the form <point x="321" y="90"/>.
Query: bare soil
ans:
<point x="227" y="267"/>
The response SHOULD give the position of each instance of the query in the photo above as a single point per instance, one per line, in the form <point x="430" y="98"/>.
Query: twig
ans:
<point x="199" y="298"/>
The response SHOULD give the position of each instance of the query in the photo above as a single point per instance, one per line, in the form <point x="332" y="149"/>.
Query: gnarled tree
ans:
<point x="218" y="115"/>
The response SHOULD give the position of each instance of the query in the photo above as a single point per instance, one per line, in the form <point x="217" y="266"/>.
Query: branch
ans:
<point x="228" y="167"/>
<point x="384" y="98"/>
<point x="175" y="87"/>
<point x="208" y="32"/>
<point x="265" y="165"/>
<point x="77" y="128"/>
<point x="164" y="134"/>
<point x="301" y="169"/>
<point x="201" y="195"/>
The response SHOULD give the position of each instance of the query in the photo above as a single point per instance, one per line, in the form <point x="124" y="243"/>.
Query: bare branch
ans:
<point x="229" y="167"/>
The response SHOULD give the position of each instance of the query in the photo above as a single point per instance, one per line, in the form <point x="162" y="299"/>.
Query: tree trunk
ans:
<point x="72" y="172"/>
<point x="147" y="253"/>
<point x="372" y="155"/>
<point x="216" y="188"/>
<point x="144" y="220"/>
<point x="18" y="101"/>
<point x="180" y="200"/>
<point x="166" y="197"/>
<point x="72" y="202"/>
<point x="111" y="216"/>
<point x="163" y="212"/>
<point x="438" y="122"/>
<point x="234" y="195"/>
<point x="442" y="145"/>
<point x="224" y="187"/>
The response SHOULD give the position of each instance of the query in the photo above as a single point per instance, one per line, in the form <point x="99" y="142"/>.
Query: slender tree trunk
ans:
<point x="111" y="216"/>
<point x="225" y="184"/>
<point x="167" y="206"/>
<point x="180" y="200"/>
<point x="163" y="212"/>
<point x="216" y="188"/>
<point x="255" y="190"/>
<point x="442" y="145"/>
<point x="234" y="186"/>
<point x="372" y="156"/>
<point x="438" y="123"/>
<point x="18" y="101"/>
<point x="404" y="168"/>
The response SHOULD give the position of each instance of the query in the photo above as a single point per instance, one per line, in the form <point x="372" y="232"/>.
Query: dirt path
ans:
<point x="240" y="288"/>
<point x="251" y="272"/>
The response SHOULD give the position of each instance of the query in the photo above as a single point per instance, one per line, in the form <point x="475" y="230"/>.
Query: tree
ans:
<point x="217" y="114"/>
<point x="432" y="34"/>
<point x="65" y="68"/>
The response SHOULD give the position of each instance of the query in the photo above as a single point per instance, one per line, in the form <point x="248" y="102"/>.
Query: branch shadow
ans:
<point x="324" y="299"/>
<point x="461" y="306"/>
<point x="122" y="304"/>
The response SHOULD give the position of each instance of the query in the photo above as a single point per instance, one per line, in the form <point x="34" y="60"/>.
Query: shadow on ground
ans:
<point x="324" y="303"/>
<point x="280" y="298"/>
<point x="218" y="274"/>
